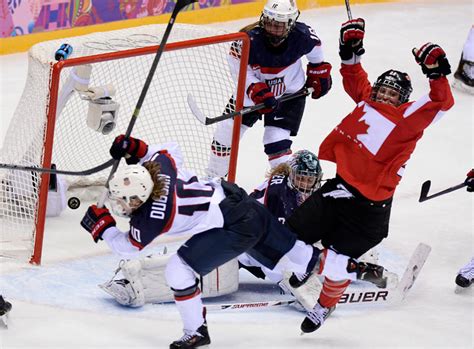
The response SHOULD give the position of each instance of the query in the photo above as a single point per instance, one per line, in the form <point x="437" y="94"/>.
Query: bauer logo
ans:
<point x="364" y="297"/>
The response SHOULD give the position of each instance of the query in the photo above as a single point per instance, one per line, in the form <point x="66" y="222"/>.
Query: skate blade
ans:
<point x="460" y="290"/>
<point x="460" y="86"/>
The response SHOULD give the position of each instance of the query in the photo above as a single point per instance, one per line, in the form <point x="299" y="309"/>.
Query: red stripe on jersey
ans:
<point x="134" y="242"/>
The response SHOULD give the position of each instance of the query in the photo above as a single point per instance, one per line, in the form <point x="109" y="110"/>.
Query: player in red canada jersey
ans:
<point x="350" y="213"/>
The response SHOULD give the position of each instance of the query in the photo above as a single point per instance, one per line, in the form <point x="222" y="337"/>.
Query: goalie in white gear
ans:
<point x="277" y="45"/>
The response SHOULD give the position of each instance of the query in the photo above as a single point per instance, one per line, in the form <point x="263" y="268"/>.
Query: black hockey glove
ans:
<point x="133" y="149"/>
<point x="432" y="60"/>
<point x="351" y="39"/>
<point x="96" y="221"/>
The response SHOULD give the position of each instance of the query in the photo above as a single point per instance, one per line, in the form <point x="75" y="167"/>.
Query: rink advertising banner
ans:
<point x="26" y="22"/>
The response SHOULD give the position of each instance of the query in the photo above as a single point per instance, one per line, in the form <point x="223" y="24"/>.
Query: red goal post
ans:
<point x="194" y="62"/>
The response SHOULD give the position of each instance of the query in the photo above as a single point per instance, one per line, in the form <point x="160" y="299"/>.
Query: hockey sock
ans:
<point x="191" y="309"/>
<point x="332" y="292"/>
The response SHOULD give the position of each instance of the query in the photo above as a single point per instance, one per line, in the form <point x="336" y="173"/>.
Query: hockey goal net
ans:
<point x="45" y="131"/>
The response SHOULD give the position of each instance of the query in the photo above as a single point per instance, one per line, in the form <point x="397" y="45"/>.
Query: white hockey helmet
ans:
<point x="278" y="19"/>
<point x="129" y="187"/>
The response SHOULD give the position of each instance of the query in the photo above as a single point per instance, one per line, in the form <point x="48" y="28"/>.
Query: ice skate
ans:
<point x="369" y="272"/>
<point x="464" y="77"/>
<point x="5" y="308"/>
<point x="465" y="277"/>
<point x="196" y="339"/>
<point x="306" y="293"/>
<point x="315" y="318"/>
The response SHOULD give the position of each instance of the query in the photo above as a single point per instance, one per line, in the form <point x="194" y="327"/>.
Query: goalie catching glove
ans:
<point x="318" y="76"/>
<point x="351" y="39"/>
<point x="432" y="60"/>
<point x="260" y="93"/>
<point x="133" y="149"/>
<point x="97" y="220"/>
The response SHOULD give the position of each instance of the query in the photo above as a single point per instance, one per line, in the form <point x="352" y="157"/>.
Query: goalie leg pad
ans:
<point x="145" y="281"/>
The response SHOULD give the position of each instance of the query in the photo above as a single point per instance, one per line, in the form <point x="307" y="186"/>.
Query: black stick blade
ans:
<point x="425" y="188"/>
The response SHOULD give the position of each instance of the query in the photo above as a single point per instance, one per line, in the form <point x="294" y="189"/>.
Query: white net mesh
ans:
<point x="165" y="116"/>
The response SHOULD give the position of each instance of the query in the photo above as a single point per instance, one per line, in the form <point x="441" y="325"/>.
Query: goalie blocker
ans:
<point x="144" y="281"/>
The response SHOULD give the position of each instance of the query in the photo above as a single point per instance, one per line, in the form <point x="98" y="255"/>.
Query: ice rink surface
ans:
<point x="58" y="305"/>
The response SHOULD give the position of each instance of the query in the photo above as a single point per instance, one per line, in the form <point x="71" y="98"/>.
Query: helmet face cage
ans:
<point x="306" y="172"/>
<point x="278" y="19"/>
<point x="395" y="80"/>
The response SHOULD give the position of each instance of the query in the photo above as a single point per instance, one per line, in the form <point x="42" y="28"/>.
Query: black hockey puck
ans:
<point x="74" y="203"/>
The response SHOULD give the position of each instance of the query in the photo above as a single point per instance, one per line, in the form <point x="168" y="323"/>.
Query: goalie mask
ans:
<point x="129" y="188"/>
<point x="278" y="19"/>
<point x="306" y="172"/>
<point x="389" y="86"/>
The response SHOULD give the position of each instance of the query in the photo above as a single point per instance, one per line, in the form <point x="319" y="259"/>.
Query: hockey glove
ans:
<point x="351" y="39"/>
<point x="433" y="61"/>
<point x="470" y="181"/>
<point x="318" y="76"/>
<point x="132" y="149"/>
<point x="260" y="93"/>
<point x="96" y="221"/>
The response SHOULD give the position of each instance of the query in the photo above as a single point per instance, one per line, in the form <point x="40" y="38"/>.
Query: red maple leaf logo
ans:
<point x="353" y="124"/>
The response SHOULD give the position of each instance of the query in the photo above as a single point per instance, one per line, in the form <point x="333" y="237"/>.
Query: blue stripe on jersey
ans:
<point x="300" y="42"/>
<point x="155" y="217"/>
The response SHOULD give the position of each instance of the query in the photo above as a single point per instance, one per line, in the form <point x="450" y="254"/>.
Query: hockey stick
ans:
<point x="209" y="121"/>
<point x="348" y="9"/>
<point x="180" y="4"/>
<point x="353" y="295"/>
<point x="425" y="188"/>
<point x="56" y="171"/>
<point x="249" y="306"/>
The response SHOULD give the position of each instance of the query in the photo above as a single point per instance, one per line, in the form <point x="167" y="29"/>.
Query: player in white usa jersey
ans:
<point x="162" y="198"/>
<point x="277" y="44"/>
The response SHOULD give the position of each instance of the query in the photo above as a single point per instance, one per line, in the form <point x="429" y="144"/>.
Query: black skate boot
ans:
<point x="315" y="318"/>
<point x="462" y="72"/>
<point x="5" y="306"/>
<point x="461" y="281"/>
<point x="193" y="340"/>
<point x="464" y="76"/>
<point x="465" y="277"/>
<point x="368" y="272"/>
<point x="298" y="280"/>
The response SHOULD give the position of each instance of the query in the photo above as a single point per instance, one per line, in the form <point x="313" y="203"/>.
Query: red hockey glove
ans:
<point x="96" y="221"/>
<point x="132" y="149"/>
<point x="260" y="93"/>
<point x="470" y="181"/>
<point x="318" y="76"/>
<point x="433" y="61"/>
<point x="351" y="38"/>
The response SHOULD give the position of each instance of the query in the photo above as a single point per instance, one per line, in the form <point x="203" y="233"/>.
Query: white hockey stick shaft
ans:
<point x="249" y="306"/>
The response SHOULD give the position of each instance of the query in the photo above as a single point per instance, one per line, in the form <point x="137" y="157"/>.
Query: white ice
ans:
<point x="58" y="304"/>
